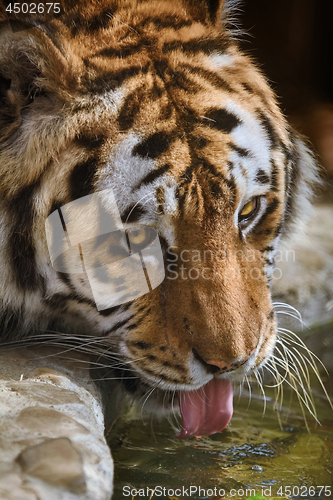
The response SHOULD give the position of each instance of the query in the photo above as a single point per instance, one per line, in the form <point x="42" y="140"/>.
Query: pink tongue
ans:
<point x="206" y="410"/>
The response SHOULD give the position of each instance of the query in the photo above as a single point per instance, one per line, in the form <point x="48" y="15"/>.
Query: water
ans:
<point x="253" y="456"/>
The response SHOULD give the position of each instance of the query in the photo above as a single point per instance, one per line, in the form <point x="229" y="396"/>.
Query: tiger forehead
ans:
<point x="156" y="46"/>
<point x="189" y="110"/>
<point x="171" y="87"/>
<point x="151" y="68"/>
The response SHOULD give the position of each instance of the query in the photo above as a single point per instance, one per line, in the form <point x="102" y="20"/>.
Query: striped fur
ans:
<point x="154" y="100"/>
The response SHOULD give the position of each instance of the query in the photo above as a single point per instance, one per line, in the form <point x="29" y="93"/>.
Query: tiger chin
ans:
<point x="154" y="101"/>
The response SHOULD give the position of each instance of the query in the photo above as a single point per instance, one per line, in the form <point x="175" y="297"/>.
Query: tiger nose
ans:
<point x="223" y="366"/>
<point x="218" y="366"/>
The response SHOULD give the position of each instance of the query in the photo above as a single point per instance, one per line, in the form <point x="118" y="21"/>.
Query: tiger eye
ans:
<point x="138" y="236"/>
<point x="248" y="208"/>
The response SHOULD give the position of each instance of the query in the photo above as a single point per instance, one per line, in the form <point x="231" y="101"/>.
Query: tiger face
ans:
<point x="155" y="101"/>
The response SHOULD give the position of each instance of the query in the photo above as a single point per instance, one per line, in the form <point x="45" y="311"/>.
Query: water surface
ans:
<point x="255" y="452"/>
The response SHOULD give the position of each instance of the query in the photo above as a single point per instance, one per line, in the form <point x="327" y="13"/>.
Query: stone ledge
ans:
<point x="52" y="445"/>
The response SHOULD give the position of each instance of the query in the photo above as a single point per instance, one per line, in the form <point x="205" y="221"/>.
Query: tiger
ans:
<point x="151" y="103"/>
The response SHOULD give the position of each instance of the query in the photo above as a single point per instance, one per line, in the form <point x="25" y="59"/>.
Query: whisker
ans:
<point x="292" y="337"/>
<point x="259" y="381"/>
<point x="250" y="390"/>
<point x="137" y="203"/>
<point x="284" y="305"/>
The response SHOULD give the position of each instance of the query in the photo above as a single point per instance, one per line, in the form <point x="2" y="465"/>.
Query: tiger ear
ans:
<point x="207" y="10"/>
<point x="19" y="70"/>
<point x="9" y="109"/>
<point x="28" y="60"/>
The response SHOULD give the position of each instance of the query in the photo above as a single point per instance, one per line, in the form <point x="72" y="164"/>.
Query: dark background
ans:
<point x="292" y="40"/>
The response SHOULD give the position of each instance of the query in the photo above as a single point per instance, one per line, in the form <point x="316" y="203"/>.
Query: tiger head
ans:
<point x="154" y="101"/>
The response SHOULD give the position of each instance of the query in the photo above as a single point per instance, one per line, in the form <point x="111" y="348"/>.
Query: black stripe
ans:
<point x="160" y="197"/>
<point x="131" y="108"/>
<point x="182" y="81"/>
<point x="200" y="142"/>
<point x="136" y="324"/>
<point x="119" y="324"/>
<point x="213" y="78"/>
<point x="167" y="364"/>
<point x="20" y="242"/>
<point x="169" y="21"/>
<point x="122" y="52"/>
<point x="133" y="213"/>
<point x="141" y="345"/>
<point x="155" y="174"/>
<point x="61" y="299"/>
<point x="113" y="79"/>
<point x="215" y="181"/>
<point x="65" y="278"/>
<point x="91" y="143"/>
<point x="241" y="151"/>
<point x="247" y="87"/>
<point x="268" y="249"/>
<point x="205" y="45"/>
<point x="231" y="185"/>
<point x="133" y="103"/>
<point x="267" y="125"/>
<point x="112" y="310"/>
<point x="222" y="120"/>
<point x="269" y="210"/>
<point x="265" y="232"/>
<point x="154" y="145"/>
<point x="215" y="188"/>
<point x="262" y="177"/>
<point x="274" y="186"/>
<point x="161" y="66"/>
<point x="208" y="167"/>
<point x="78" y="22"/>
<point x="81" y="179"/>
<point x="188" y="118"/>
<point x="100" y="21"/>
<point x="165" y="112"/>
<point x="181" y="199"/>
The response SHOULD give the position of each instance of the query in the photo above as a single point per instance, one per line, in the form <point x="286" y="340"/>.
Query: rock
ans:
<point x="59" y="424"/>
<point x="52" y="428"/>
<point x="56" y="462"/>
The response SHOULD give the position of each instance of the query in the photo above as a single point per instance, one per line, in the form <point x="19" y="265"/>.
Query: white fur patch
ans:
<point x="125" y="171"/>
<point x="221" y="60"/>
